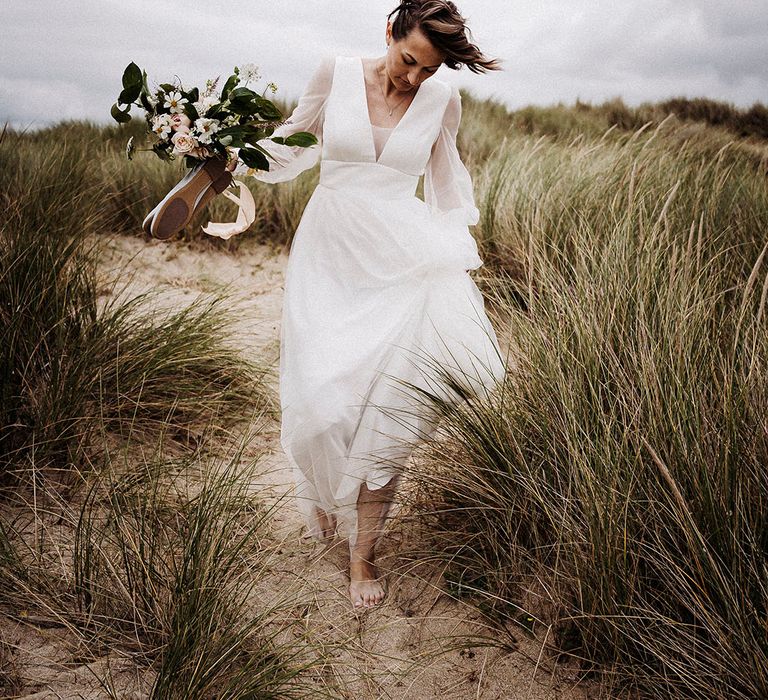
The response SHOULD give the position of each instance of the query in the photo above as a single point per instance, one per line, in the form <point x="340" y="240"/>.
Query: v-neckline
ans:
<point x="371" y="124"/>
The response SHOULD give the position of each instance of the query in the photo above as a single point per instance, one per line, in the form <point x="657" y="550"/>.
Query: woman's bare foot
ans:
<point x="327" y="524"/>
<point x="365" y="589"/>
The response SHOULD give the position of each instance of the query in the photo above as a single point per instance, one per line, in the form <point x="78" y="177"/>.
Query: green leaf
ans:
<point x="129" y="95"/>
<point x="263" y="150"/>
<point x="190" y="111"/>
<point x="168" y="87"/>
<point x="242" y="130"/>
<point x="267" y="110"/>
<point x="254" y="158"/>
<point x="213" y="110"/>
<point x="119" y="115"/>
<point x="145" y="103"/>
<point x="242" y="92"/>
<point x="193" y="95"/>
<point x="132" y="76"/>
<point x="243" y="108"/>
<point x="301" y="138"/>
<point x="242" y="101"/>
<point x="231" y="83"/>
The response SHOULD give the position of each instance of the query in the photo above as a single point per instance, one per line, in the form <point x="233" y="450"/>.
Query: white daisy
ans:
<point x="161" y="125"/>
<point x="205" y="103"/>
<point x="206" y="128"/>
<point x="175" y="102"/>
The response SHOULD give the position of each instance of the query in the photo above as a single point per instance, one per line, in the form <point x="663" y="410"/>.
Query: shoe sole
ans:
<point x="190" y="194"/>
<point x="147" y="223"/>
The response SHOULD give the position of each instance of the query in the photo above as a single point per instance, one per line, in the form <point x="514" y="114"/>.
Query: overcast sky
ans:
<point x="64" y="59"/>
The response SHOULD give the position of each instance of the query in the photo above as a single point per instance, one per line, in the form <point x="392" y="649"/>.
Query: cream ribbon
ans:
<point x="246" y="214"/>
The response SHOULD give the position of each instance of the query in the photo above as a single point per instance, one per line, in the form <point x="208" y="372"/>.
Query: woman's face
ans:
<point x="412" y="59"/>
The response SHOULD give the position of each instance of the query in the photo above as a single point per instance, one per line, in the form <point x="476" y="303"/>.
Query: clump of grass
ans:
<point x="129" y="189"/>
<point x="613" y="488"/>
<point x="584" y="118"/>
<point x="159" y="560"/>
<point x="82" y="161"/>
<point x="70" y="365"/>
<point x="540" y="190"/>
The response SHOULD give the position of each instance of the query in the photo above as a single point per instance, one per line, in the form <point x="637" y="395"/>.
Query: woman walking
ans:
<point x="376" y="277"/>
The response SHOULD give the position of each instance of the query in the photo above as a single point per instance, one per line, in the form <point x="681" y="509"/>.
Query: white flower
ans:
<point x="183" y="143"/>
<point x="249" y="72"/>
<point x="161" y="125"/>
<point x="272" y="87"/>
<point x="205" y="103"/>
<point x="206" y="128"/>
<point x="175" y="102"/>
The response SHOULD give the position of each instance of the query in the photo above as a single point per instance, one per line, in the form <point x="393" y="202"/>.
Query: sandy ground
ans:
<point x="418" y="644"/>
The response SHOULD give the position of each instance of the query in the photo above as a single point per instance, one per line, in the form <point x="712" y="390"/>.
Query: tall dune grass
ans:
<point x="159" y="559"/>
<point x="614" y="488"/>
<point x="70" y="364"/>
<point x="127" y="190"/>
<point x="145" y="555"/>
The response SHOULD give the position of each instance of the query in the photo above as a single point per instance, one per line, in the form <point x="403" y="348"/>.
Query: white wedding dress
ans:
<point x="376" y="285"/>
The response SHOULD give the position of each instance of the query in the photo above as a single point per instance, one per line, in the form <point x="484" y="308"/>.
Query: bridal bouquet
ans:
<point x="203" y="124"/>
<point x="203" y="127"/>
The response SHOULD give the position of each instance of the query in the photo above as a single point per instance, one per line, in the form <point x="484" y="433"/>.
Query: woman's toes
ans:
<point x="366" y="593"/>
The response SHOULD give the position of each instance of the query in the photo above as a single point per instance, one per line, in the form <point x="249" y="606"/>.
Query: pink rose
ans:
<point x="180" y="123"/>
<point x="183" y="143"/>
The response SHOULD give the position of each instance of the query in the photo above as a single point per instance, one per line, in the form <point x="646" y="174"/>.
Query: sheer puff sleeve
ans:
<point x="447" y="183"/>
<point x="289" y="161"/>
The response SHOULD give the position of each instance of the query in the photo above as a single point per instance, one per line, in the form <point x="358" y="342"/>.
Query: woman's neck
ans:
<point x="380" y="75"/>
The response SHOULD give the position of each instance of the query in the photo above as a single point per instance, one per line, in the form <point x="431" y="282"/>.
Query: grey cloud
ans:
<point x="63" y="59"/>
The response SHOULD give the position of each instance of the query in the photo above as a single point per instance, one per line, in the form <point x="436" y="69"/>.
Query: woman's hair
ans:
<point x="445" y="28"/>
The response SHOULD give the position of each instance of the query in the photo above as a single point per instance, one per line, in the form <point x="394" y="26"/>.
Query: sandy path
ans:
<point x="418" y="645"/>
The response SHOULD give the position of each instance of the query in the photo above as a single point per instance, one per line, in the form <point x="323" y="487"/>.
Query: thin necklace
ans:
<point x="387" y="103"/>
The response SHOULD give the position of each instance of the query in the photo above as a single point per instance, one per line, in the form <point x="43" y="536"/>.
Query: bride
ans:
<point x="377" y="279"/>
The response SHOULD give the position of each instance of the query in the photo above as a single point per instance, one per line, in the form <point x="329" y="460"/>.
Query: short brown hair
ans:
<point x="445" y="28"/>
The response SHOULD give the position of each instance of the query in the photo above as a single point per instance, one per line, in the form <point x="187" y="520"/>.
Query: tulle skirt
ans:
<point x="376" y="292"/>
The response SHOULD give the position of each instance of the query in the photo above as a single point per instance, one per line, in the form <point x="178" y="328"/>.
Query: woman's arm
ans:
<point x="289" y="161"/>
<point x="447" y="183"/>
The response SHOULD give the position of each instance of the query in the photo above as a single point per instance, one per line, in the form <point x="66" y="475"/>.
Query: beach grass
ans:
<point x="157" y="559"/>
<point x="124" y="522"/>
<point x="77" y="356"/>
<point x="610" y="495"/>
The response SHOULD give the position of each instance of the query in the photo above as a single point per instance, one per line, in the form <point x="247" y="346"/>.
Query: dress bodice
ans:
<point x="334" y="108"/>
<point x="348" y="134"/>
